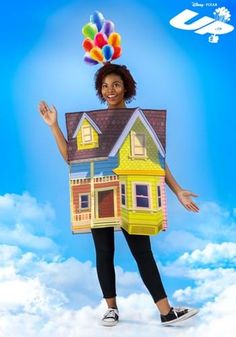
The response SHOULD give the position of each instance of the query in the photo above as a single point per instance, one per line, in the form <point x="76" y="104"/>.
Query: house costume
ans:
<point x="117" y="170"/>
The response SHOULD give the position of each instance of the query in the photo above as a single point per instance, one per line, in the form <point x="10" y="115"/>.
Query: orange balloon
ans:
<point x="117" y="52"/>
<point x="114" y="39"/>
<point x="96" y="54"/>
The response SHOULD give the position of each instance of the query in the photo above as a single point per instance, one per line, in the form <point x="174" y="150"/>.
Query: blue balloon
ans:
<point x="108" y="52"/>
<point x="97" y="18"/>
<point x="89" y="60"/>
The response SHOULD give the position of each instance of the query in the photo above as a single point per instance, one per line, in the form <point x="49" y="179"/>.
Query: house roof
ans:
<point x="112" y="124"/>
<point x="85" y="116"/>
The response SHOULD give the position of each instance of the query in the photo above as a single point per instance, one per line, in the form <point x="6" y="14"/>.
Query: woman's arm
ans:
<point x="184" y="196"/>
<point x="49" y="115"/>
<point x="171" y="182"/>
<point x="60" y="140"/>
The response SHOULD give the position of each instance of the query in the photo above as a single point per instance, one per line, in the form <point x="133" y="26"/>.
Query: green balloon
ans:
<point x="90" y="30"/>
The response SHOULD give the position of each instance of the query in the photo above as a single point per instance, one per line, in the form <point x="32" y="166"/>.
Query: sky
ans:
<point x="47" y="275"/>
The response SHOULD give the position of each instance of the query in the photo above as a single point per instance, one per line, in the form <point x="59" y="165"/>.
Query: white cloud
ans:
<point x="211" y="254"/>
<point x="218" y="316"/>
<point x="212" y="270"/>
<point x="26" y="223"/>
<point x="76" y="280"/>
<point x="25" y="209"/>
<point x="20" y="236"/>
<point x="28" y="295"/>
<point x="138" y="317"/>
<point x="38" y="256"/>
<point x="187" y="231"/>
<point x="208" y="284"/>
<point x="215" y="222"/>
<point x="179" y="241"/>
<point x="37" y="300"/>
<point x="44" y="296"/>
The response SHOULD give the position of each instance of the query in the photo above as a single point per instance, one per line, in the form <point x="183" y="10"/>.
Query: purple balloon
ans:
<point x="97" y="18"/>
<point x="89" y="60"/>
<point x="108" y="27"/>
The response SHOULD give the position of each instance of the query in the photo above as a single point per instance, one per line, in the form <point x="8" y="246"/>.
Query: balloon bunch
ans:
<point x="101" y="43"/>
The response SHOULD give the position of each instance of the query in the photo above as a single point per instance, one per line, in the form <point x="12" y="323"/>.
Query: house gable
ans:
<point x="110" y="124"/>
<point x="138" y="114"/>
<point x="87" y="133"/>
<point x="150" y="161"/>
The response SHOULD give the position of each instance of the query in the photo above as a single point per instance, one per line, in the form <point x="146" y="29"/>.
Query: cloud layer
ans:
<point x="43" y="294"/>
<point x="189" y="232"/>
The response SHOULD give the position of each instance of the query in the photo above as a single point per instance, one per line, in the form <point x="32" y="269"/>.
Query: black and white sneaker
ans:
<point x="111" y="317"/>
<point x="177" y="315"/>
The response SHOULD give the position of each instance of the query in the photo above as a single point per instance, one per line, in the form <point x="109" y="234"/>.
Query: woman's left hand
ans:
<point x="184" y="197"/>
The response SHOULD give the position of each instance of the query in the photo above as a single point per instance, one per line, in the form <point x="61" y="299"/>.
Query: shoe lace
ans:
<point x="179" y="309"/>
<point x="111" y="313"/>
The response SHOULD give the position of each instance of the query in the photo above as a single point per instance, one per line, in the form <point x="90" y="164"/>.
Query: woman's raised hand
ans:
<point x="49" y="115"/>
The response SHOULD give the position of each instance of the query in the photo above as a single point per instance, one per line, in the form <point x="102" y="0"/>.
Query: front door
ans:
<point x="106" y="204"/>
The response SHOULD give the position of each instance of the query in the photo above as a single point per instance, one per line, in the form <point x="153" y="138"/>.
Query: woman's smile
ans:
<point x="113" y="91"/>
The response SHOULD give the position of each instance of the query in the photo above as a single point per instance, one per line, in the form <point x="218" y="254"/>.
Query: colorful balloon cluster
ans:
<point x="101" y="43"/>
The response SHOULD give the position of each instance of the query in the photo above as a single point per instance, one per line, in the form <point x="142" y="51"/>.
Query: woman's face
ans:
<point x="113" y="91"/>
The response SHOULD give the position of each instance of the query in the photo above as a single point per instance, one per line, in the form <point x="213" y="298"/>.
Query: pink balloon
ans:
<point x="100" y="40"/>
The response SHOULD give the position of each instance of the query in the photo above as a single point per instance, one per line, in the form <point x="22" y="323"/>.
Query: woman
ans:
<point x="115" y="86"/>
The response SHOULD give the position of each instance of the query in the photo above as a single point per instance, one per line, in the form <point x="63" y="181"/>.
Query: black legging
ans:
<point x="140" y="247"/>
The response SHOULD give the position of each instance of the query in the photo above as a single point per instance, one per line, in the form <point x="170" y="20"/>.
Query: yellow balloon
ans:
<point x="96" y="54"/>
<point x="114" y="39"/>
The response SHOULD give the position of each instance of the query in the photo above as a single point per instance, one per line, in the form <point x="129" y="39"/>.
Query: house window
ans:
<point x="123" y="195"/>
<point x="142" y="195"/>
<point x="159" y="195"/>
<point x="138" y="145"/>
<point x="84" y="201"/>
<point x="87" y="134"/>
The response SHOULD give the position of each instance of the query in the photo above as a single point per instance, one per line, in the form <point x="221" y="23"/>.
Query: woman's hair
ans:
<point x="123" y="72"/>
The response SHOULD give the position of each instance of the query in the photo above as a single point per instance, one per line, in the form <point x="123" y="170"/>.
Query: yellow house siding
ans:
<point x="151" y="161"/>
<point x="150" y="218"/>
<point x="141" y="221"/>
<point x="153" y="181"/>
<point x="91" y="145"/>
<point x="143" y="228"/>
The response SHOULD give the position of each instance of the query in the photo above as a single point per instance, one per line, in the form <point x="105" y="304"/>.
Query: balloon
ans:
<point x="97" y="18"/>
<point x="108" y="27"/>
<point x="96" y="54"/>
<point x="89" y="30"/>
<point x="107" y="51"/>
<point x="89" y="60"/>
<point x="88" y="44"/>
<point x="117" y="52"/>
<point x="114" y="39"/>
<point x="100" y="40"/>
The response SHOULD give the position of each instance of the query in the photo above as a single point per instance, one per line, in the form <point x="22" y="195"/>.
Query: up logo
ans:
<point x="205" y="25"/>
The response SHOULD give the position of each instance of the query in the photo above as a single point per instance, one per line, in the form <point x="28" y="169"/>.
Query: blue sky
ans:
<point x="177" y="70"/>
